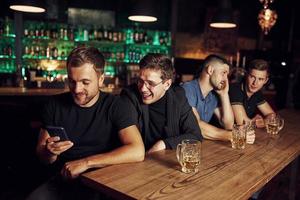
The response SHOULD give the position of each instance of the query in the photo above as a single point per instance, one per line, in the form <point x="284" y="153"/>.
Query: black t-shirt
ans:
<point x="238" y="96"/>
<point x="157" y="122"/>
<point x="93" y="129"/>
<point x="176" y="121"/>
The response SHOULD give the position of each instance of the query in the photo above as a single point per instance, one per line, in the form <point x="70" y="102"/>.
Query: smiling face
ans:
<point x="84" y="83"/>
<point x="151" y="86"/>
<point x="255" y="80"/>
<point x="219" y="76"/>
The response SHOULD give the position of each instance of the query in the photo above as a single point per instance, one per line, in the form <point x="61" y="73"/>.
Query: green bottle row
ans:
<point x="41" y="30"/>
<point x="7" y="66"/>
<point x="54" y="41"/>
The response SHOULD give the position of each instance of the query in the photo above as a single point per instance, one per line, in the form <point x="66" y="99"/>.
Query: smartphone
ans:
<point x="57" y="131"/>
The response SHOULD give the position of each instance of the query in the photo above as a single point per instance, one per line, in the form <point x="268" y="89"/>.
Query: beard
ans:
<point x="82" y="99"/>
<point x="218" y="86"/>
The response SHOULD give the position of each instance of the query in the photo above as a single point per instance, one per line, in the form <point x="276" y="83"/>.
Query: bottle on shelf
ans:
<point x="105" y="33"/>
<point x="7" y="26"/>
<point x="54" y="52"/>
<point x="61" y="32"/>
<point x="110" y="34"/>
<point x="48" y="52"/>
<point x="99" y="34"/>
<point x="47" y="33"/>
<point x="37" y="31"/>
<point x="1" y="28"/>
<point x="156" y="38"/>
<point x="85" y="34"/>
<point x="129" y="36"/>
<point x="26" y="31"/>
<point x="42" y="31"/>
<point x="71" y="34"/>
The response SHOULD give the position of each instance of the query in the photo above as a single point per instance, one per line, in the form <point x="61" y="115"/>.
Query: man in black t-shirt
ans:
<point x="246" y="97"/>
<point x="99" y="133"/>
<point x="162" y="112"/>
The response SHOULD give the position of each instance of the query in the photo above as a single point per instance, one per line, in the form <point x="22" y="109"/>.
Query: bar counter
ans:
<point x="22" y="91"/>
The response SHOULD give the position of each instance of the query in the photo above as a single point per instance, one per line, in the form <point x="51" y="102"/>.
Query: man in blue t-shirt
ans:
<point x="208" y="96"/>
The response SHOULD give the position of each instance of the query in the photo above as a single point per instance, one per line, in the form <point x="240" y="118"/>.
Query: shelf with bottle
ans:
<point x="118" y="75"/>
<point x="7" y="66"/>
<point x="85" y="33"/>
<point x="135" y="52"/>
<point x="7" y="39"/>
<point x="7" y="50"/>
<point x="48" y="31"/>
<point x="6" y="28"/>
<point x="53" y="50"/>
<point x="52" y="42"/>
<point x="148" y="37"/>
<point x="44" y="70"/>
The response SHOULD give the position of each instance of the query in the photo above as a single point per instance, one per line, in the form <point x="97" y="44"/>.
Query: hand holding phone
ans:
<point x="57" y="131"/>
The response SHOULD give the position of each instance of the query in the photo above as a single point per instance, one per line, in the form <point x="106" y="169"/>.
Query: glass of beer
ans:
<point x="188" y="154"/>
<point x="274" y="123"/>
<point x="238" y="140"/>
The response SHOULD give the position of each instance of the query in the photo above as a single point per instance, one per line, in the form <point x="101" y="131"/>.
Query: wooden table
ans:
<point x="225" y="173"/>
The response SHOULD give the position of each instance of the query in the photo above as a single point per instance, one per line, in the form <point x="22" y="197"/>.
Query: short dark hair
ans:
<point x="82" y="55"/>
<point x="258" y="64"/>
<point x="214" y="58"/>
<point x="160" y="62"/>
<point x="209" y="60"/>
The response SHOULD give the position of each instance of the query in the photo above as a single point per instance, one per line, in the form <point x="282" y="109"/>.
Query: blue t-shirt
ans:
<point x="205" y="106"/>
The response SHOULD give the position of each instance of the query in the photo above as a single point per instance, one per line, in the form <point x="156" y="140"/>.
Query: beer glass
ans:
<point x="274" y="123"/>
<point x="188" y="154"/>
<point x="239" y="136"/>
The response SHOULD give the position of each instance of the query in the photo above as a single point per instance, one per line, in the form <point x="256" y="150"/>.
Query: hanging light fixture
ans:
<point x="32" y="6"/>
<point x="267" y="17"/>
<point x="143" y="11"/>
<point x="224" y="16"/>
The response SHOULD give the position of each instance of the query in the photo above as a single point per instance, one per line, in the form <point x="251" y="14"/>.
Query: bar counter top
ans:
<point x="22" y="91"/>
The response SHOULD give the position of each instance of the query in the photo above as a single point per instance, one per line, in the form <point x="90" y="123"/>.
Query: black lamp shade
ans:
<point x="143" y="11"/>
<point x="33" y="6"/>
<point x="224" y="16"/>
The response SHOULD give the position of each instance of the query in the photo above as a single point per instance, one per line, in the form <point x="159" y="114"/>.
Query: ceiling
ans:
<point x="191" y="14"/>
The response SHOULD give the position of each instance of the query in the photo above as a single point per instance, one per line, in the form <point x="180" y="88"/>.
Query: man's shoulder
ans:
<point x="235" y="88"/>
<point x="129" y="90"/>
<point x="178" y="93"/>
<point x="108" y="97"/>
<point x="130" y="93"/>
<point x="176" y="89"/>
<point x="191" y="88"/>
<point x="190" y="84"/>
<point x="63" y="98"/>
